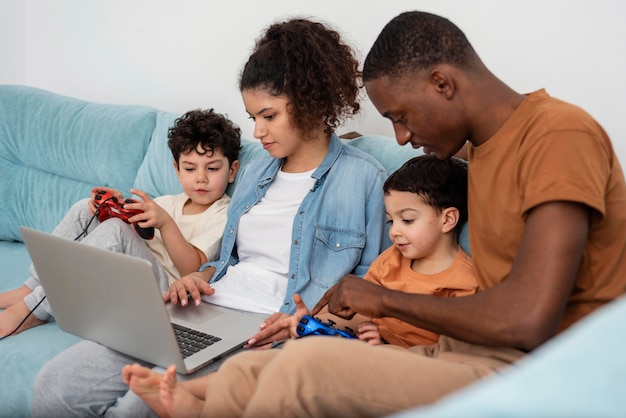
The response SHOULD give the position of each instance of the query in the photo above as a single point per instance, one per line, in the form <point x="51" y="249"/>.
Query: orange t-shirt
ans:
<point x="550" y="151"/>
<point x="393" y="271"/>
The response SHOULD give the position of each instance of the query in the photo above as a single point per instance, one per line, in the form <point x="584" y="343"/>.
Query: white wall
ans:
<point x="12" y="42"/>
<point x="179" y="55"/>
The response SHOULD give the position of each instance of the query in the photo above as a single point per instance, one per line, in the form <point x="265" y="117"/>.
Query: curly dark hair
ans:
<point x="207" y="129"/>
<point x="441" y="183"/>
<point x="417" y="41"/>
<point x="309" y="63"/>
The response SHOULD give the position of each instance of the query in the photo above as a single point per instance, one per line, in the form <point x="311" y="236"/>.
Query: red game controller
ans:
<point x="110" y="207"/>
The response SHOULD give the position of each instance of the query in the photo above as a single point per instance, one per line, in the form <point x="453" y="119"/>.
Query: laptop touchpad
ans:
<point x="193" y="314"/>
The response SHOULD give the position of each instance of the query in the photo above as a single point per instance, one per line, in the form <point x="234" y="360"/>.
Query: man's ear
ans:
<point x="443" y="82"/>
<point x="450" y="218"/>
<point x="232" y="173"/>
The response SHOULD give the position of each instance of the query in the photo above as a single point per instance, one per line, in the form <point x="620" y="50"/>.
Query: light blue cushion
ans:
<point x="156" y="175"/>
<point x="385" y="149"/>
<point x="580" y="373"/>
<point x="54" y="149"/>
<point x="22" y="355"/>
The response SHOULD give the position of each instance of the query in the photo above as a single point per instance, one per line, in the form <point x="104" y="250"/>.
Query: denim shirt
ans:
<point x="339" y="228"/>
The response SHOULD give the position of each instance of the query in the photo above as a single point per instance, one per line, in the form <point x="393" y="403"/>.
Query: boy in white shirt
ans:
<point x="188" y="227"/>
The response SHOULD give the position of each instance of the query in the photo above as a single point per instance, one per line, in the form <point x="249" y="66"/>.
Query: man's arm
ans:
<point x="522" y="312"/>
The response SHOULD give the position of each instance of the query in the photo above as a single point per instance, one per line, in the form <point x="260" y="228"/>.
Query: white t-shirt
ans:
<point x="203" y="230"/>
<point x="258" y="282"/>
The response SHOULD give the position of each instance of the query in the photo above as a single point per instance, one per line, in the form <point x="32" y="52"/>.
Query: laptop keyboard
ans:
<point x="190" y="341"/>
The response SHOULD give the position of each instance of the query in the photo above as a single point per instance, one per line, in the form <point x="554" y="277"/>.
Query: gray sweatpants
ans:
<point x="112" y="234"/>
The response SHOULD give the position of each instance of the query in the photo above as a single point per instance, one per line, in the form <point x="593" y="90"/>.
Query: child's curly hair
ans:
<point x="207" y="130"/>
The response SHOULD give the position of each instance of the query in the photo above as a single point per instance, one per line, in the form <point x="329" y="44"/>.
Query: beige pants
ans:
<point x="333" y="377"/>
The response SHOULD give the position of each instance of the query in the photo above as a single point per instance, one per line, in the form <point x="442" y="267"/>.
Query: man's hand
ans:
<point x="192" y="286"/>
<point x="352" y="295"/>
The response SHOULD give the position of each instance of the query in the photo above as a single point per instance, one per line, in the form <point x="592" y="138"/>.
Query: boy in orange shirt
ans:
<point x="426" y="207"/>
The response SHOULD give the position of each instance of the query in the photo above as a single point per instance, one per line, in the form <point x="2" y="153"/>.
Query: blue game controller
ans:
<point x="309" y="325"/>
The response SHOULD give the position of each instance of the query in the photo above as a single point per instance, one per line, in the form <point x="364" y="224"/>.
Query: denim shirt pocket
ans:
<point x="336" y="252"/>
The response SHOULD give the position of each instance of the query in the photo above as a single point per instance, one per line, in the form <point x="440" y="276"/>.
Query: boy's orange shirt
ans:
<point x="393" y="271"/>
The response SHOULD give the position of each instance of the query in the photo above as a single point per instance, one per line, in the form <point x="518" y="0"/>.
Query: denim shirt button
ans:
<point x="338" y="245"/>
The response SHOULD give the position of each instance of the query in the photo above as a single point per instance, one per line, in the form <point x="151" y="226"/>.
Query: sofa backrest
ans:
<point x="54" y="149"/>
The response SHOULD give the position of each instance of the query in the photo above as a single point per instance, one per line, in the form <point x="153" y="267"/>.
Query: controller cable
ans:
<point x="84" y="233"/>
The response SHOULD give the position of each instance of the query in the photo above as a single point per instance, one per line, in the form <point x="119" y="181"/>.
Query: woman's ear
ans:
<point x="450" y="218"/>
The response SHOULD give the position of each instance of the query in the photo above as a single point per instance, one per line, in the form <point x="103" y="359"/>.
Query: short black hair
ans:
<point x="441" y="183"/>
<point x="207" y="130"/>
<point x="415" y="41"/>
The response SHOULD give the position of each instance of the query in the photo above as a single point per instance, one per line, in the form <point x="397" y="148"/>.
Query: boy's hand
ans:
<point x="192" y="286"/>
<point x="152" y="214"/>
<point x="368" y="331"/>
<point x="92" y="203"/>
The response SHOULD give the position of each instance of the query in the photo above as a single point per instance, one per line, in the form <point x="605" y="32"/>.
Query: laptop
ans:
<point x="114" y="299"/>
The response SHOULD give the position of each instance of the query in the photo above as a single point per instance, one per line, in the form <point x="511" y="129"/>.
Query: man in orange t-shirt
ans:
<point x="547" y="221"/>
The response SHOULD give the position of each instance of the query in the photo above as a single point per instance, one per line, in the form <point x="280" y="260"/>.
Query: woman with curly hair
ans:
<point x="300" y="219"/>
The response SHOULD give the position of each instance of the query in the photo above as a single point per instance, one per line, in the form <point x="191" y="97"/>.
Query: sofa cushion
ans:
<point x="385" y="149"/>
<point x="53" y="145"/>
<point x="156" y="175"/>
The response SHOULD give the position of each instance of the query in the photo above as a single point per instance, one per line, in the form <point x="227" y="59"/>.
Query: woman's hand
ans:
<point x="279" y="326"/>
<point x="192" y="286"/>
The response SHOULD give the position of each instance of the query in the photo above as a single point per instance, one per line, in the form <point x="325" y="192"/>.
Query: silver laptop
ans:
<point x="114" y="299"/>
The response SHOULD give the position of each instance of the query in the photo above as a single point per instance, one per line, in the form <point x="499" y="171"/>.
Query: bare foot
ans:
<point x="146" y="384"/>
<point x="13" y="296"/>
<point x="11" y="317"/>
<point x="178" y="401"/>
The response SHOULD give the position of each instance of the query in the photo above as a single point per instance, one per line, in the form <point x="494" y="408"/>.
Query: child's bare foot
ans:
<point x="11" y="317"/>
<point x="146" y="384"/>
<point x="13" y="296"/>
<point x="178" y="401"/>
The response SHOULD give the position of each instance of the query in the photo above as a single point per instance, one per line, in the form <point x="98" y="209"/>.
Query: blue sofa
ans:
<point x="53" y="150"/>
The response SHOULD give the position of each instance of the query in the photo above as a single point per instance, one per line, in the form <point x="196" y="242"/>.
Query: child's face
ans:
<point x="204" y="178"/>
<point x="417" y="229"/>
